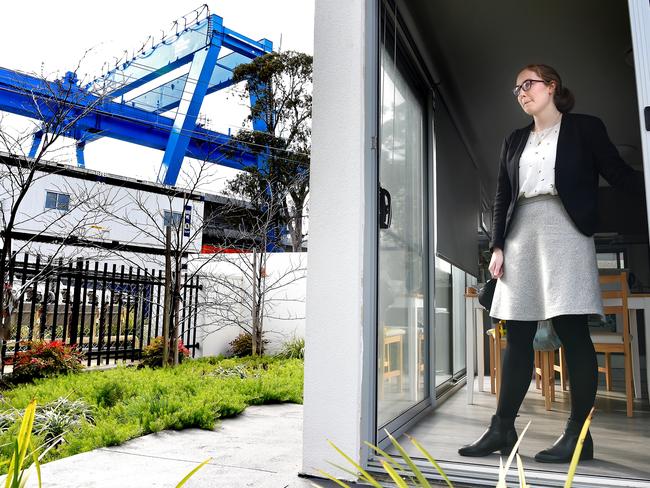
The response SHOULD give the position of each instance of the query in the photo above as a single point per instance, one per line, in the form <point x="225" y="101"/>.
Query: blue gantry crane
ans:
<point x="133" y="101"/>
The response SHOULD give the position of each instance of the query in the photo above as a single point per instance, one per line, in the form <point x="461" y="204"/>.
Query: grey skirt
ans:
<point x="549" y="266"/>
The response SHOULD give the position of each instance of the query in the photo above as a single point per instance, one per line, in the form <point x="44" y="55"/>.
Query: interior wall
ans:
<point x="478" y="48"/>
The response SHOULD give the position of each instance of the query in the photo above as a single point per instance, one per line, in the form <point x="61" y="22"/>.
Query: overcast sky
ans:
<point x="53" y="36"/>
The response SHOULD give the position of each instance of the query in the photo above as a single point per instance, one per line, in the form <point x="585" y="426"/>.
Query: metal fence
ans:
<point x="109" y="311"/>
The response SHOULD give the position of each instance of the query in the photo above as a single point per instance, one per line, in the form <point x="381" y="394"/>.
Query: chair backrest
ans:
<point x="614" y="286"/>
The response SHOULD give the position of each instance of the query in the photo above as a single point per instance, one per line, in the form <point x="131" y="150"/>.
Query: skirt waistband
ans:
<point x="537" y="198"/>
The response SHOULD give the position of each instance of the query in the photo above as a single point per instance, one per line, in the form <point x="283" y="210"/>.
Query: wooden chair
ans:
<point x="609" y="343"/>
<point x="545" y="368"/>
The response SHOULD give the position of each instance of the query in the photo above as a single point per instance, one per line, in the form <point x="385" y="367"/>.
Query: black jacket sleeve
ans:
<point x="501" y="200"/>
<point x="610" y="164"/>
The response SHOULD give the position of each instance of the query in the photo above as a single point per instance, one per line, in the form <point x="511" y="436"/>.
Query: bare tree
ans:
<point x="171" y="222"/>
<point x="57" y="107"/>
<point x="243" y="293"/>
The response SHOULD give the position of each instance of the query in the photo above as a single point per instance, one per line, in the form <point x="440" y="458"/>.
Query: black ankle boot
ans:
<point x="500" y="436"/>
<point x="562" y="449"/>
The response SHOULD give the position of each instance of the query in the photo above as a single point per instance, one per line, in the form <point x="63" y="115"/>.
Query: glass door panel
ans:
<point x="459" y="342"/>
<point x="402" y="262"/>
<point x="443" y="323"/>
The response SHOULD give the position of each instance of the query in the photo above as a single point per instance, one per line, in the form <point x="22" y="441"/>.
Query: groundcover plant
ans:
<point x="111" y="407"/>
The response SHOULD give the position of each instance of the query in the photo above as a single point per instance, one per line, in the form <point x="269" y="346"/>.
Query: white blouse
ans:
<point x="537" y="163"/>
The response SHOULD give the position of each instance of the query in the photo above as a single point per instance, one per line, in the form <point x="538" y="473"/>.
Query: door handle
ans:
<point x="646" y="113"/>
<point x="385" y="212"/>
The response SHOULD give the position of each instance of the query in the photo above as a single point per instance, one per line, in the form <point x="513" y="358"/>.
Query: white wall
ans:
<point x="333" y="356"/>
<point x="284" y="307"/>
<point x="132" y="226"/>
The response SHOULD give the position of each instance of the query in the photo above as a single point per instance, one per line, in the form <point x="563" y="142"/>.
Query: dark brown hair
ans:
<point x="563" y="97"/>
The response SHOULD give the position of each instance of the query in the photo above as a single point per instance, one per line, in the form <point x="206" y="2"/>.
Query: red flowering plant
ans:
<point x="152" y="355"/>
<point x="45" y="358"/>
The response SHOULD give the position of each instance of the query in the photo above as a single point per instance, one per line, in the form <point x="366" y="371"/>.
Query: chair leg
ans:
<point x="548" y="394"/>
<point x="563" y="369"/>
<point x="401" y="363"/>
<point x="629" y="386"/>
<point x="551" y="373"/>
<point x="608" y="371"/>
<point x="537" y="365"/>
<point x="497" y="361"/>
<point x="492" y="371"/>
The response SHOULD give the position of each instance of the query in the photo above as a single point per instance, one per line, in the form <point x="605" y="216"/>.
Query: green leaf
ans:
<point x="394" y="476"/>
<point x="576" y="453"/>
<point x="332" y="478"/>
<point x="355" y="474"/>
<point x="384" y="454"/>
<point x="430" y="458"/>
<point x="13" y="475"/>
<point x="522" y="474"/>
<point x="367" y="476"/>
<point x="398" y="467"/>
<point x="503" y="470"/>
<point x="414" y="469"/>
<point x="37" y="465"/>
<point x="191" y="473"/>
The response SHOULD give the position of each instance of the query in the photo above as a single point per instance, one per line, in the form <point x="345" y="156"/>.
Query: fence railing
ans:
<point x="109" y="311"/>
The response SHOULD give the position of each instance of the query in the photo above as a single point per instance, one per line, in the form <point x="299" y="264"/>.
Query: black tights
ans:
<point x="518" y="360"/>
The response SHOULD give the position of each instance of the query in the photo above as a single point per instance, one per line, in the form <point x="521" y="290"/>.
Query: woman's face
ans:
<point x="538" y="97"/>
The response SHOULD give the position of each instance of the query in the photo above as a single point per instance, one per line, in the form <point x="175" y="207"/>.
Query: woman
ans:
<point x="543" y="252"/>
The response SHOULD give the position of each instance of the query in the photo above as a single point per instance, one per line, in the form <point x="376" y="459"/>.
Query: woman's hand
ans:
<point x="496" y="263"/>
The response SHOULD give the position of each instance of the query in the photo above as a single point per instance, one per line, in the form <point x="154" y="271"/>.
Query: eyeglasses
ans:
<point x="525" y="86"/>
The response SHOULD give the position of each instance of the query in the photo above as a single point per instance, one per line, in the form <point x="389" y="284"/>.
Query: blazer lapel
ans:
<point x="563" y="144"/>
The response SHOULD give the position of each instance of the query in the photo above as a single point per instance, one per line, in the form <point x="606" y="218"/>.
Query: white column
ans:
<point x="333" y="354"/>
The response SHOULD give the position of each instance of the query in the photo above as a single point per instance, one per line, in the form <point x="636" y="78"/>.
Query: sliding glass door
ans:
<point x="402" y="295"/>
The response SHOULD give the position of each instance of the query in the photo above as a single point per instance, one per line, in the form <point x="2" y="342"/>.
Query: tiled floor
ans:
<point x="622" y="444"/>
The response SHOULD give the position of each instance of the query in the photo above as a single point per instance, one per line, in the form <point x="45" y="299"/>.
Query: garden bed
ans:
<point x="129" y="402"/>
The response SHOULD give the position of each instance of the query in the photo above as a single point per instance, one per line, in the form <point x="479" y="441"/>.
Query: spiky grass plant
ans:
<point x="18" y="473"/>
<point x="292" y="349"/>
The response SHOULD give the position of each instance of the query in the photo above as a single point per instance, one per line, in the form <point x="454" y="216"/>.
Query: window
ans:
<point x="172" y="219"/>
<point x="58" y="201"/>
<point x="611" y="260"/>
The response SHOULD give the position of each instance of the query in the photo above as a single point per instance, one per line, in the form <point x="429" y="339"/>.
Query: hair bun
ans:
<point x="564" y="99"/>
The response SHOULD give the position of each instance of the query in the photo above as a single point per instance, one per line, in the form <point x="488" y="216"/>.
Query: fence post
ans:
<point x="76" y="303"/>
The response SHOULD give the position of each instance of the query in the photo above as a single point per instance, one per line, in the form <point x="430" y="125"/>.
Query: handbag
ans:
<point x="486" y="293"/>
<point x="546" y="339"/>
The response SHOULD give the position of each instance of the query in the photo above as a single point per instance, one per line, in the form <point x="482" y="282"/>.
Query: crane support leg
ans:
<point x="203" y="65"/>
<point x="81" y="160"/>
<point x="37" y="138"/>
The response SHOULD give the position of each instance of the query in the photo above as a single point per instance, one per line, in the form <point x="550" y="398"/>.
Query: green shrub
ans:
<point x="293" y="349"/>
<point x="44" y="359"/>
<point x="242" y="345"/>
<point x="109" y="394"/>
<point x="152" y="355"/>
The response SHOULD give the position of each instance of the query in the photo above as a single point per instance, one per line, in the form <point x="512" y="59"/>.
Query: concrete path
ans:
<point x="260" y="448"/>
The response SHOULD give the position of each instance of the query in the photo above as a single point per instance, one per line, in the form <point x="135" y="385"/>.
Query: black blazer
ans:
<point x="583" y="152"/>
